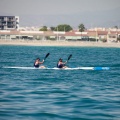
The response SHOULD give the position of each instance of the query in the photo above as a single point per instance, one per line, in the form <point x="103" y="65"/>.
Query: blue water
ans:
<point x="39" y="94"/>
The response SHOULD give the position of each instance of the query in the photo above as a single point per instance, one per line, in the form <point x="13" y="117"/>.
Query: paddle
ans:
<point x="46" y="56"/>
<point x="69" y="57"/>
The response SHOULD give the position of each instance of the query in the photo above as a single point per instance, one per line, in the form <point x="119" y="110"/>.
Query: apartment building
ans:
<point x="9" y="22"/>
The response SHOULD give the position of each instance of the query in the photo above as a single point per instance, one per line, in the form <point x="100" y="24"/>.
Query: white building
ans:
<point x="9" y="22"/>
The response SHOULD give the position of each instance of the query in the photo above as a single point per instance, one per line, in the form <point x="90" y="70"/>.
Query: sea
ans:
<point x="53" y="94"/>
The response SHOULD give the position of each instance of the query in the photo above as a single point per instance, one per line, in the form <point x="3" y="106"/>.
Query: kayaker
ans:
<point x="61" y="64"/>
<point x="38" y="63"/>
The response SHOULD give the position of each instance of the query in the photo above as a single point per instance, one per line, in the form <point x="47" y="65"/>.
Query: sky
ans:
<point x="91" y="13"/>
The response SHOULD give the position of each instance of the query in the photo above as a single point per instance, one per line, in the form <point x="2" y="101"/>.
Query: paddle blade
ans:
<point x="69" y="56"/>
<point x="47" y="55"/>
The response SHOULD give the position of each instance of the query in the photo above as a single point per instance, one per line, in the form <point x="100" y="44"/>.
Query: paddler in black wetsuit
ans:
<point x="61" y="64"/>
<point x="37" y="63"/>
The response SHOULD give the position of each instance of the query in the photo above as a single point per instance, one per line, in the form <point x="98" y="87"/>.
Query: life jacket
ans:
<point x="60" y="66"/>
<point x="37" y="66"/>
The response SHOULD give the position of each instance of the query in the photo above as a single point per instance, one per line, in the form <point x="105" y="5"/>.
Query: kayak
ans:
<point x="83" y="68"/>
<point x="94" y="68"/>
<point x="55" y="68"/>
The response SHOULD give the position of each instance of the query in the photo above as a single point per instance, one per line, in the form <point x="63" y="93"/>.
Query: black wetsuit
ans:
<point x="36" y="66"/>
<point x="60" y="66"/>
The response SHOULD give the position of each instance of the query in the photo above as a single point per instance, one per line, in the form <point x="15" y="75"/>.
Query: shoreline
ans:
<point x="58" y="43"/>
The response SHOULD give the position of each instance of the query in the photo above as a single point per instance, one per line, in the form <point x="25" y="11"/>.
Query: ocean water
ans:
<point x="40" y="94"/>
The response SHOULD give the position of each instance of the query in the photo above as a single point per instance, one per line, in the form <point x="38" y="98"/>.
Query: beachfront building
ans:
<point x="9" y="22"/>
<point x="76" y="36"/>
<point x="104" y="35"/>
<point x="112" y="37"/>
<point x="96" y="35"/>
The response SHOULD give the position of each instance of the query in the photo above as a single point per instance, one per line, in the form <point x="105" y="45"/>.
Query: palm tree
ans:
<point x="81" y="28"/>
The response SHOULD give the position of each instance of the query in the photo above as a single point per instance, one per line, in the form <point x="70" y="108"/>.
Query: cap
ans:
<point x="60" y="59"/>
<point x="38" y="58"/>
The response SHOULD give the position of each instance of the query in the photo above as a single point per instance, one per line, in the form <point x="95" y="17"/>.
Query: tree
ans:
<point x="116" y="27"/>
<point x="63" y="27"/>
<point x="44" y="28"/>
<point x="81" y="27"/>
<point x="52" y="28"/>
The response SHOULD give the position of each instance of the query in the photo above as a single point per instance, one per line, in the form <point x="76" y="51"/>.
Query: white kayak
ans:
<point x="83" y="68"/>
<point x="55" y="68"/>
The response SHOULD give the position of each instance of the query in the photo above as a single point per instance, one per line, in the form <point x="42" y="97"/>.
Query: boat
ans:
<point x="55" y="68"/>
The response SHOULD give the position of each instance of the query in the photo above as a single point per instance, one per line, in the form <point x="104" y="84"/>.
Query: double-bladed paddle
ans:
<point x="46" y="56"/>
<point x="69" y="57"/>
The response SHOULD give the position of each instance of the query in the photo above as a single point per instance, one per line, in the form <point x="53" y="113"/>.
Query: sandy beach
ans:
<point x="58" y="43"/>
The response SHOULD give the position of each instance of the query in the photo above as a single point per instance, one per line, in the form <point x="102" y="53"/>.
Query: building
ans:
<point x="9" y="22"/>
<point x="107" y="35"/>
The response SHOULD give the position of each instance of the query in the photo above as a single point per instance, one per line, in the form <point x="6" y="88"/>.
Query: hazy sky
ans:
<point x="92" y="13"/>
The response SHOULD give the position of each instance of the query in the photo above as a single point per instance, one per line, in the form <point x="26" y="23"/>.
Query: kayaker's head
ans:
<point x="60" y="59"/>
<point x="38" y="59"/>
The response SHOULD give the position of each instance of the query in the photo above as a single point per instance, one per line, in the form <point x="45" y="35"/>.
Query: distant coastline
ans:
<point x="59" y="43"/>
